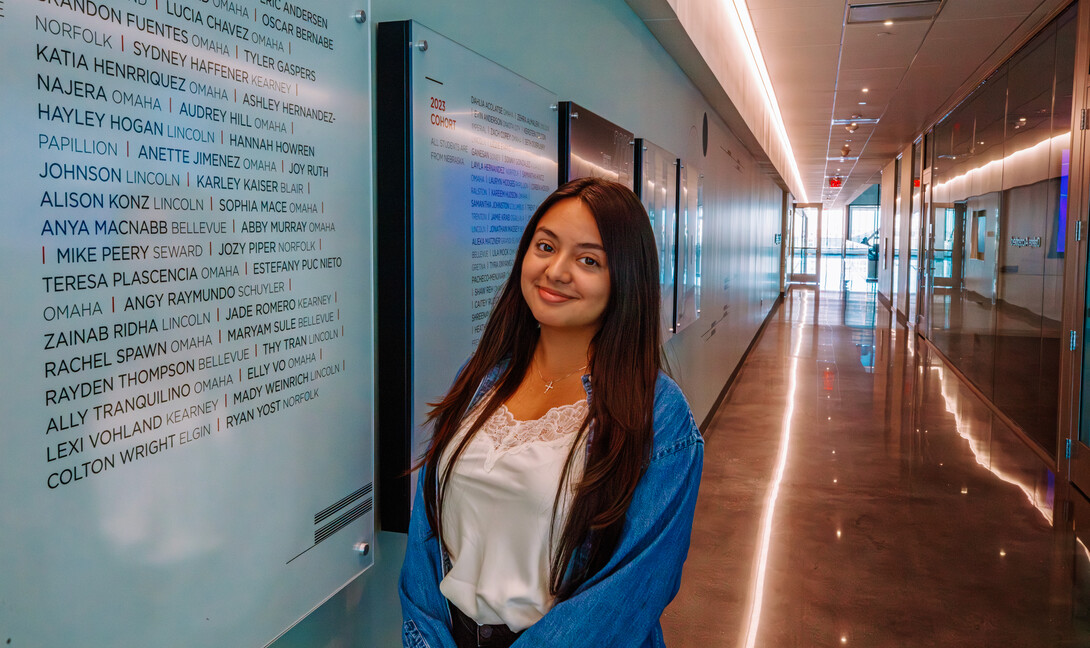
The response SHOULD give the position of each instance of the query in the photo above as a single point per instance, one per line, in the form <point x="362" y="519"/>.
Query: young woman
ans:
<point x="555" y="502"/>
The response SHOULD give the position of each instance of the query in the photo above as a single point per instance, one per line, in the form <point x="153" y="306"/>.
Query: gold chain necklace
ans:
<point x="549" y="383"/>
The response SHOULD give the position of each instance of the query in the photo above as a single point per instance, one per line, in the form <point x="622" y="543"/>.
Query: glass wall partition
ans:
<point x="835" y="273"/>
<point x="999" y="161"/>
<point x="863" y="234"/>
<point x="832" y="238"/>
<point x="862" y="227"/>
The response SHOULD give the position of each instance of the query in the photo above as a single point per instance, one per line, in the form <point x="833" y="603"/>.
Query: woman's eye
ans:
<point x="544" y="247"/>
<point x="589" y="261"/>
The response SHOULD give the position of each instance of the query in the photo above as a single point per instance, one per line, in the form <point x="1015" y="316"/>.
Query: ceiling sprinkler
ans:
<point x="852" y="127"/>
<point x="845" y="150"/>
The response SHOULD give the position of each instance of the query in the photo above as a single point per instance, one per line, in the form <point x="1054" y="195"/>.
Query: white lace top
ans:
<point x="498" y="513"/>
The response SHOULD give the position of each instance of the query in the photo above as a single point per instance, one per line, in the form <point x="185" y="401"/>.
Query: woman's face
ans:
<point x="565" y="273"/>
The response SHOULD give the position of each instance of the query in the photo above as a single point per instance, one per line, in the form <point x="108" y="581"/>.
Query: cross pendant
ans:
<point x="548" y="386"/>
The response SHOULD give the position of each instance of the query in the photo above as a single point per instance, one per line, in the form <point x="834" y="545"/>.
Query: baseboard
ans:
<point x="738" y="368"/>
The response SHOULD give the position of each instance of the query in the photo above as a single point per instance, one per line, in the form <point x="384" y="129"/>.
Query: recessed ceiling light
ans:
<point x="888" y="23"/>
<point x="866" y="89"/>
<point x="862" y="103"/>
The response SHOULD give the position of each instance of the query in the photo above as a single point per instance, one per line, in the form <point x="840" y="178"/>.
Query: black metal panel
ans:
<point x="393" y="261"/>
<point x="637" y="166"/>
<point x="563" y="153"/>
<point x="679" y="177"/>
<point x="591" y="145"/>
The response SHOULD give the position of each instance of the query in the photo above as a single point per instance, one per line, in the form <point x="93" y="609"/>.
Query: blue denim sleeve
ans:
<point x="621" y="605"/>
<point x="425" y="617"/>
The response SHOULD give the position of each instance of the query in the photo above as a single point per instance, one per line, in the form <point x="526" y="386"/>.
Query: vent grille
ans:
<point x="895" y="11"/>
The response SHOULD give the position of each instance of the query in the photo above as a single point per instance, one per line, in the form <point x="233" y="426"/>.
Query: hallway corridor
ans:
<point x="855" y="493"/>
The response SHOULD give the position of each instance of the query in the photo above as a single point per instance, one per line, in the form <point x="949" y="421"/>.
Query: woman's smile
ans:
<point x="553" y="296"/>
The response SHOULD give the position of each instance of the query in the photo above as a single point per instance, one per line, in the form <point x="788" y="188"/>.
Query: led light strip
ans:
<point x="757" y="63"/>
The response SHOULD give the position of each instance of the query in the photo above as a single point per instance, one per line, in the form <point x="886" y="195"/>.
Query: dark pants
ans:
<point x="468" y="634"/>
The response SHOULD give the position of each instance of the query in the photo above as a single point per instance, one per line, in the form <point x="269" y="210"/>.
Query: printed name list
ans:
<point x="182" y="162"/>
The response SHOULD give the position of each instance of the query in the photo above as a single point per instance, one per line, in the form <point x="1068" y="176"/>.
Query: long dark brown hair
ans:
<point x="623" y="363"/>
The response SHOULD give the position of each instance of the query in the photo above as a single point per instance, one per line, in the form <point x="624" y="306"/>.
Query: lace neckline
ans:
<point x="550" y="414"/>
<point x="507" y="435"/>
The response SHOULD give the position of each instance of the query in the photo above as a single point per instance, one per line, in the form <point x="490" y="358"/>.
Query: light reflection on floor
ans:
<point x="847" y="273"/>
<point x="905" y="513"/>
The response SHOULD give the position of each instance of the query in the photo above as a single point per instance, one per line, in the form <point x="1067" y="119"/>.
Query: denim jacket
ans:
<point x="621" y="604"/>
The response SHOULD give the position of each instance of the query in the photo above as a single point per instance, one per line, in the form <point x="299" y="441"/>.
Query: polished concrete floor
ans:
<point x="856" y="493"/>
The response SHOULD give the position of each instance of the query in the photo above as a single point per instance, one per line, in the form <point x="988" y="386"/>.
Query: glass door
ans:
<point x="1078" y="406"/>
<point x="1080" y="455"/>
<point x="944" y="260"/>
<point x="805" y="248"/>
<point x="928" y="257"/>
<point x="925" y="245"/>
<point x="949" y="228"/>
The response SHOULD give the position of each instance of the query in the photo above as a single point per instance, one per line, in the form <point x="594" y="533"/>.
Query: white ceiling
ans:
<point x="915" y="72"/>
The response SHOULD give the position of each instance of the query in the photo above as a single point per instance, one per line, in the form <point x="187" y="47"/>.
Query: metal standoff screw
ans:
<point x="422" y="45"/>
<point x="362" y="548"/>
<point x="361" y="16"/>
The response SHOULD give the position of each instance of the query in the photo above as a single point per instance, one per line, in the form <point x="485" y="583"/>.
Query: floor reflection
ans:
<point x="846" y="273"/>
<point x="1012" y="356"/>
<point x="856" y="493"/>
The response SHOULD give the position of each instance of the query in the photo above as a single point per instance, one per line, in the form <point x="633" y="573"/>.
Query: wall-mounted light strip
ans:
<point x="757" y="65"/>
